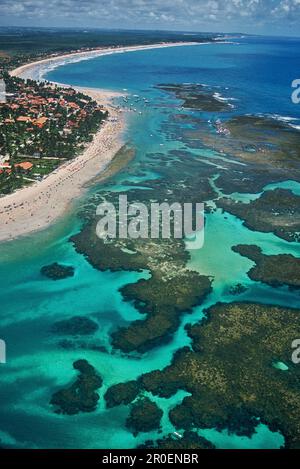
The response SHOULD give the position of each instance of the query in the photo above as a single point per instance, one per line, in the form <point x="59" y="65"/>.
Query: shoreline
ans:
<point x="59" y="60"/>
<point x="36" y="207"/>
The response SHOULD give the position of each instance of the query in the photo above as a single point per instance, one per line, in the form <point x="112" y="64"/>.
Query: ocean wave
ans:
<point x="285" y="119"/>
<point x="39" y="71"/>
<point x="221" y="98"/>
<point x="278" y="117"/>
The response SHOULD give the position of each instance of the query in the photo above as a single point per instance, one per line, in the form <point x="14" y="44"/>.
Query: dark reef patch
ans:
<point x="163" y="301"/>
<point x="259" y="150"/>
<point x="257" y="139"/>
<point x="277" y="270"/>
<point x="76" y="325"/>
<point x="75" y="344"/>
<point x="57" y="271"/>
<point x="229" y="372"/>
<point x="172" y="288"/>
<point x="122" y="393"/>
<point x="81" y="396"/>
<point x="144" y="416"/>
<point x="197" y="97"/>
<point x="276" y="211"/>
<point x="237" y="289"/>
<point x="230" y="375"/>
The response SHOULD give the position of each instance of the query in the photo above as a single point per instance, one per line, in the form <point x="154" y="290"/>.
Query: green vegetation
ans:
<point x="42" y="126"/>
<point x="10" y="182"/>
<point x="19" y="45"/>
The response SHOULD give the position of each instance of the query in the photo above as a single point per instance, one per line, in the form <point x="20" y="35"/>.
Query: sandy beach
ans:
<point x="37" y="206"/>
<point x="31" y="70"/>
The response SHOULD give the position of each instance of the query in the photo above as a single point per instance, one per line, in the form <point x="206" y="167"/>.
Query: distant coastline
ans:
<point x="29" y="70"/>
<point x="35" y="207"/>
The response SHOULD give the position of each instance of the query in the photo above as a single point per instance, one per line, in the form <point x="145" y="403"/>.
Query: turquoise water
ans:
<point x="36" y="365"/>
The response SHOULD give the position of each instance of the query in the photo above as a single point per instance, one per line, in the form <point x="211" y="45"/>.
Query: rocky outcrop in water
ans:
<point x="276" y="211"/>
<point x="57" y="271"/>
<point x="122" y="393"/>
<point x="81" y="396"/>
<point x="145" y="415"/>
<point x="276" y="270"/>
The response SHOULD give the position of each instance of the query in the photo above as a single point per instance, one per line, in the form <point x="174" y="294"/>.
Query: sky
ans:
<point x="269" y="17"/>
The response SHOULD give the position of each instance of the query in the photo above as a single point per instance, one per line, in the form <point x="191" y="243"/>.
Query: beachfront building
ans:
<point x="41" y="126"/>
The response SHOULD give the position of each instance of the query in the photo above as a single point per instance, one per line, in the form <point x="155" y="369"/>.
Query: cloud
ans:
<point x="185" y="14"/>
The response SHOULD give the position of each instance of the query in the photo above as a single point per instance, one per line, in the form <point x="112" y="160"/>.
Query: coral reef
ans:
<point x="76" y="325"/>
<point x="81" y="396"/>
<point x="277" y="270"/>
<point x="144" y="416"/>
<point x="57" y="271"/>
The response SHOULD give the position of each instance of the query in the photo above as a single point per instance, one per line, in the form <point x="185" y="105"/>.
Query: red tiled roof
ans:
<point x="23" y="119"/>
<point x="41" y="121"/>
<point x="26" y="165"/>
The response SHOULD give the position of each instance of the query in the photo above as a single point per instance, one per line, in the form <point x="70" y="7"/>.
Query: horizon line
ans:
<point x="104" y="28"/>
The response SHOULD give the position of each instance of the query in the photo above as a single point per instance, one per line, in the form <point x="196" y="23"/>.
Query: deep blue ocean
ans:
<point x="255" y="75"/>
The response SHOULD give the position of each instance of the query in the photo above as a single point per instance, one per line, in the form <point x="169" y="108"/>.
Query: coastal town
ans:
<point x="42" y="126"/>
